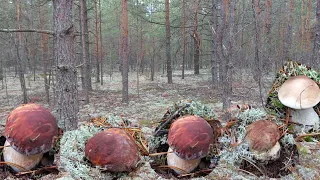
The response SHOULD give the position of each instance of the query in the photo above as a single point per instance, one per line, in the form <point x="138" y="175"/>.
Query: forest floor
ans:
<point x="148" y="102"/>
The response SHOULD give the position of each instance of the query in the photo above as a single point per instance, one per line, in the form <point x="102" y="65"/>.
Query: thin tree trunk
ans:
<point x="196" y="38"/>
<point x="87" y="46"/>
<point x="44" y="51"/>
<point x="124" y="50"/>
<point x="97" y="42"/>
<point x="152" y="59"/>
<point x="183" y="37"/>
<point x="231" y="44"/>
<point x="66" y="80"/>
<point x="101" y="46"/>
<point x="20" y="55"/>
<point x="215" y="39"/>
<point x="138" y="54"/>
<point x="168" y="48"/>
<point x="83" y="50"/>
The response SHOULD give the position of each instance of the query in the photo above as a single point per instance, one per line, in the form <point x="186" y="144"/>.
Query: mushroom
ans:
<point x="30" y="131"/>
<point x="112" y="149"/>
<point x="262" y="137"/>
<point x="189" y="139"/>
<point x="301" y="93"/>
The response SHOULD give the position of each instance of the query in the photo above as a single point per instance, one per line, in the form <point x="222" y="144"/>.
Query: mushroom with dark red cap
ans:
<point x="113" y="149"/>
<point x="301" y="93"/>
<point x="189" y="139"/>
<point x="262" y="137"/>
<point x="30" y="131"/>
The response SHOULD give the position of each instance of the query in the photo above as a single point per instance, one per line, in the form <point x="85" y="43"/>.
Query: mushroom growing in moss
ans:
<point x="114" y="150"/>
<point x="301" y="93"/>
<point x="189" y="139"/>
<point x="262" y="137"/>
<point x="30" y="131"/>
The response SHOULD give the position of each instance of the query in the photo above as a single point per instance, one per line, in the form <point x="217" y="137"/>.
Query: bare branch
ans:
<point x="28" y="30"/>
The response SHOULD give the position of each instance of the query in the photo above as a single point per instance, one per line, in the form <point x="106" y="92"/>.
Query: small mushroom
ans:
<point x="262" y="137"/>
<point x="30" y="131"/>
<point x="189" y="138"/>
<point x="301" y="93"/>
<point x="113" y="149"/>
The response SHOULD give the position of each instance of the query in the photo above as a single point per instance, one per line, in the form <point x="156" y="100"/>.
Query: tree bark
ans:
<point x="168" y="46"/>
<point x="289" y="31"/>
<point x="66" y="74"/>
<point x="316" y="47"/>
<point x="124" y="51"/>
<point x="257" y="60"/>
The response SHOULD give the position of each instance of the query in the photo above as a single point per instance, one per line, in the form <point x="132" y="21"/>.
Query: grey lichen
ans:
<point x="287" y="139"/>
<point x="199" y="109"/>
<point x="72" y="153"/>
<point x="307" y="173"/>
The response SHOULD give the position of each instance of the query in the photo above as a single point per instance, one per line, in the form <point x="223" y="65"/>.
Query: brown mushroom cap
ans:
<point x="30" y="129"/>
<point x="262" y="135"/>
<point x="112" y="149"/>
<point x="299" y="92"/>
<point x="190" y="137"/>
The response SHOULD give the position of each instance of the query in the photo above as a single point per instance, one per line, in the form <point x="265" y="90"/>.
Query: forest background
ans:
<point x="69" y="55"/>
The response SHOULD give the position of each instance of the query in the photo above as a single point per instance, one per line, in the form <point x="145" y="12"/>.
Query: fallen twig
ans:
<point x="252" y="163"/>
<point x="305" y="135"/>
<point x="15" y="165"/>
<point x="159" y="154"/>
<point x="247" y="172"/>
<point x="171" y="118"/>
<point x="173" y="167"/>
<point x="37" y="171"/>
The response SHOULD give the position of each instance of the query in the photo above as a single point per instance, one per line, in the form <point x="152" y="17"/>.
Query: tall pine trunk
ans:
<point x="124" y="50"/>
<point x="66" y="81"/>
<point x="168" y="46"/>
<point x="44" y="51"/>
<point x="97" y="41"/>
<point x="84" y="50"/>
<point x="20" y="55"/>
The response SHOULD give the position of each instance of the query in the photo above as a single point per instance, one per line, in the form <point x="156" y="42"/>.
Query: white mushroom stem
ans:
<point x="307" y="117"/>
<point x="12" y="156"/>
<point x="271" y="154"/>
<point x="186" y="165"/>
